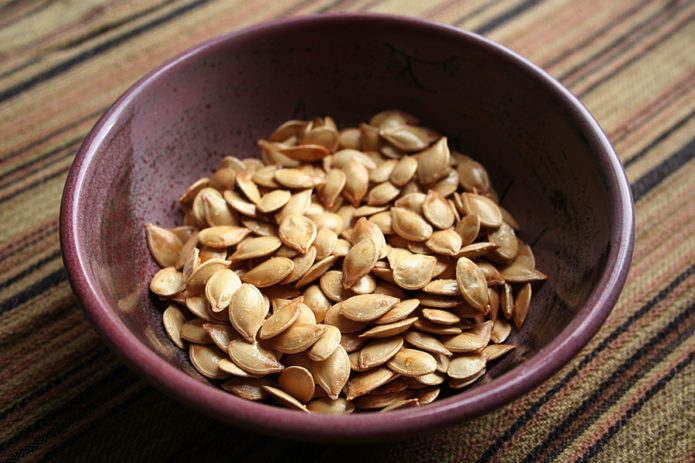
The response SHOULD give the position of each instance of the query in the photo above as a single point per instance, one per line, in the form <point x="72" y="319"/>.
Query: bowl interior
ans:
<point x="220" y="99"/>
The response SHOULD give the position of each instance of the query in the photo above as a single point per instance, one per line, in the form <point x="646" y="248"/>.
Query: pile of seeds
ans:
<point x="361" y="268"/>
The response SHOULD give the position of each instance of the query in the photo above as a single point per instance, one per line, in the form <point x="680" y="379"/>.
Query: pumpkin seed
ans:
<point x="261" y="246"/>
<point x="427" y="395"/>
<point x="495" y="351"/>
<point x="220" y="288"/>
<point x="398" y="312"/>
<point x="382" y="193"/>
<point x="273" y="200"/>
<point x="426" y="342"/>
<point x="329" y="406"/>
<point x="379" y="351"/>
<point x="167" y="282"/>
<point x="298" y="232"/>
<point x="412" y="362"/>
<point x="269" y="273"/>
<point x="284" y="398"/>
<point x="389" y="329"/>
<point x="297" y="179"/>
<point x="302" y="264"/>
<point x="164" y="245"/>
<point x="222" y="236"/>
<point x="317" y="302"/>
<point x="280" y="320"/>
<point x="325" y="242"/>
<point x="253" y="358"/>
<point x="356" y="183"/>
<point x="247" y="311"/>
<point x="440" y="317"/>
<point x="297" y="204"/>
<point x="297" y="382"/>
<point x="205" y="359"/>
<point x="193" y="331"/>
<point x="221" y="335"/>
<point x="410" y="225"/>
<point x="472" y="284"/>
<point x="464" y="342"/>
<point x="315" y="271"/>
<point x="466" y="366"/>
<point x="326" y="345"/>
<point x="248" y="388"/>
<point x="522" y="302"/>
<point x="363" y="383"/>
<point x="461" y="383"/>
<point x="297" y="338"/>
<point x="414" y="271"/>
<point x="333" y="373"/>
<point x="433" y="163"/>
<point x="367" y="307"/>
<point x="308" y="152"/>
<point x="437" y="210"/>
<point x="500" y="331"/>
<point x="173" y="320"/>
<point x="488" y="212"/>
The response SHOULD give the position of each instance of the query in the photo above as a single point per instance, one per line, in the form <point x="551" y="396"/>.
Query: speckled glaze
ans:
<point x="554" y="166"/>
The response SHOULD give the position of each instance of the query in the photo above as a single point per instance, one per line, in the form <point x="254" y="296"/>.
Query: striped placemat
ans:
<point x="628" y="396"/>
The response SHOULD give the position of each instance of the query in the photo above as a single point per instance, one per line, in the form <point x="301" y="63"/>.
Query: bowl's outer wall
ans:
<point x="168" y="134"/>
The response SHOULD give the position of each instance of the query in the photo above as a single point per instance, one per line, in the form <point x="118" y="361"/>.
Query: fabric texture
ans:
<point x="628" y="396"/>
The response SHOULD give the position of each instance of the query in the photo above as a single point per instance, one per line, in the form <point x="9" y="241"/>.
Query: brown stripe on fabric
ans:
<point x="607" y="341"/>
<point x="62" y="168"/>
<point x="598" y="446"/>
<point x="617" y="412"/>
<point x="26" y="240"/>
<point x="19" y="173"/>
<point x="588" y="82"/>
<point x="616" y="385"/>
<point x="16" y="10"/>
<point x="648" y="181"/>
<point x="66" y="65"/>
<point x="668" y="97"/>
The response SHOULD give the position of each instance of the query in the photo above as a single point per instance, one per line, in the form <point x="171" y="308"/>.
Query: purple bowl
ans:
<point x="560" y="177"/>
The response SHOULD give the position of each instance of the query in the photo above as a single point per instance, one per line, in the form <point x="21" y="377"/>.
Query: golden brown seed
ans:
<point x="302" y="264"/>
<point x="517" y="273"/>
<point x="478" y="249"/>
<point x="284" y="398"/>
<point x="392" y="118"/>
<point x="343" y="157"/>
<point x="188" y="247"/>
<point x="523" y="300"/>
<point x="398" y="312"/>
<point x="248" y="388"/>
<point x="239" y="204"/>
<point x="231" y="368"/>
<point x="407" y="138"/>
<point x="426" y="342"/>
<point x="298" y="232"/>
<point x="216" y="210"/>
<point x="317" y="302"/>
<point x="486" y="209"/>
<point x="297" y="338"/>
<point x="273" y="200"/>
<point x="251" y="248"/>
<point x="280" y="320"/>
<point x="472" y="284"/>
<point x="414" y="271"/>
<point x="247" y="311"/>
<point x="403" y="172"/>
<point x="410" y="225"/>
<point x="445" y="242"/>
<point x="316" y="270"/>
<point x="220" y="288"/>
<point x="433" y="163"/>
<point x="495" y="351"/>
<point x="205" y="359"/>
<point x="461" y="383"/>
<point x="500" y="331"/>
<point x="269" y="272"/>
<point x="464" y="342"/>
<point x="382" y="172"/>
<point x="483" y="330"/>
<point x="379" y="351"/>
<point x="265" y="177"/>
<point x="306" y="152"/>
<point x="192" y="191"/>
<point x="332" y="286"/>
<point x="412" y="362"/>
<point x="367" y="307"/>
<point x="441" y="317"/>
<point x="473" y="176"/>
<point x="431" y="379"/>
<point x="333" y="373"/>
<point x="383" y="221"/>
<point x="356" y="183"/>
<point x="389" y="329"/>
<point x="221" y="335"/>
<point x="363" y="383"/>
<point x="427" y="395"/>
<point x="468" y="228"/>
<point x="326" y="345"/>
<point x="437" y="210"/>
<point x="329" y="191"/>
<point x="349" y="138"/>
<point x="344" y="324"/>
<point x="444" y="287"/>
<point x="253" y="358"/>
<point x="359" y="261"/>
<point x="297" y="204"/>
<point x="505" y="238"/>
<point x="376" y="401"/>
<point x="288" y="129"/>
<point x="326" y="405"/>
<point x="325" y="242"/>
<point x="259" y="228"/>
<point x="465" y="366"/>
<point x="222" y="236"/>
<point x="411" y="201"/>
<point x="167" y="282"/>
<point x="298" y="382"/>
<point x="247" y="186"/>
<point x="330" y="221"/>
<point x="448" y="184"/>
<point x="297" y="178"/>
<point x="164" y="245"/>
<point x="435" y="328"/>
<point x="193" y="331"/>
<point x="382" y="194"/>
<point x="173" y="320"/>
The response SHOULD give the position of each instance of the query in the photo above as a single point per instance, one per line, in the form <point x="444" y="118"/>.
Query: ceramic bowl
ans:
<point x="545" y="153"/>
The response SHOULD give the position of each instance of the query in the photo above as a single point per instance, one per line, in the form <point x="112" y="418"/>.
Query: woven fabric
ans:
<point x="628" y="396"/>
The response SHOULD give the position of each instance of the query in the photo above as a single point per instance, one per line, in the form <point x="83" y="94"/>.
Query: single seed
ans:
<point x="412" y="362"/>
<point x="247" y="311"/>
<point x="173" y="320"/>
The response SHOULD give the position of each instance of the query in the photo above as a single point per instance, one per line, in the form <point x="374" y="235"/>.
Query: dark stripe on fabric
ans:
<point x="35" y="266"/>
<point x="629" y="61"/>
<point x="662" y="136"/>
<point x="52" y="134"/>
<point x="22" y="243"/>
<point x="35" y="184"/>
<point x="55" y="381"/>
<point x="77" y="402"/>
<point x="600" y="405"/>
<point x="607" y="341"/>
<point x="95" y="51"/>
<point x="595" y="35"/>
<point x="621" y="39"/>
<point x="649" y="180"/>
<point x="47" y="154"/>
<point x="606" y="437"/>
<point x="508" y="15"/>
<point x="46" y="283"/>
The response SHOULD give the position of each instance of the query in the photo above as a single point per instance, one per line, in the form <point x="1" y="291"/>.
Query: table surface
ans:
<point x="628" y="396"/>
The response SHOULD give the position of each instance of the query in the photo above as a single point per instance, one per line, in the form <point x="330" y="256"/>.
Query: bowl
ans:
<point x="545" y="153"/>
